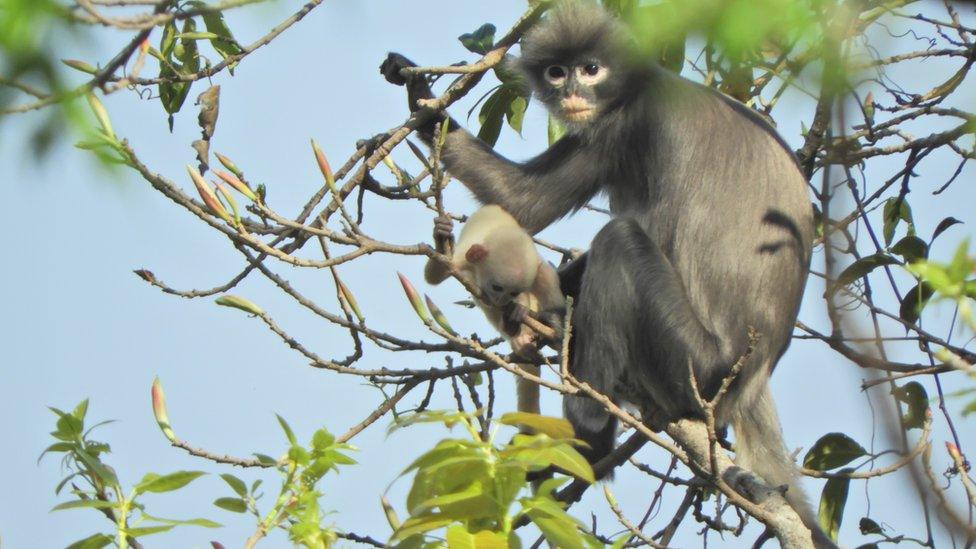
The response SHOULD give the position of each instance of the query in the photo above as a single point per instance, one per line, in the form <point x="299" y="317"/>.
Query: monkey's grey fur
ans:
<point x="711" y="234"/>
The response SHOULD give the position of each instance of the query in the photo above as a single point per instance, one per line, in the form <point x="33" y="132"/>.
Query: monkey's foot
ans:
<point x="371" y="143"/>
<point x="749" y="485"/>
<point x="525" y="345"/>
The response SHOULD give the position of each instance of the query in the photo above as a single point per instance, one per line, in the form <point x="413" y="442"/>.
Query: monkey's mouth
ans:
<point x="578" y="114"/>
<point x="576" y="109"/>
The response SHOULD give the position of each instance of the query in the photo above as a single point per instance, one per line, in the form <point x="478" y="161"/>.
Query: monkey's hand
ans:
<point x="443" y="234"/>
<point x="512" y="316"/>
<point x="417" y="85"/>
<point x="390" y="68"/>
<point x="418" y="88"/>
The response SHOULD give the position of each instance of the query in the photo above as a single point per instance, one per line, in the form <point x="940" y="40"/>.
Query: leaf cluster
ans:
<point x="478" y="490"/>
<point x="95" y="485"/>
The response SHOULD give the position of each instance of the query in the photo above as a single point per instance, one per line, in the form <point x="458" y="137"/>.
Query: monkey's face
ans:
<point x="572" y="92"/>
<point x="502" y="279"/>
<point x="577" y="61"/>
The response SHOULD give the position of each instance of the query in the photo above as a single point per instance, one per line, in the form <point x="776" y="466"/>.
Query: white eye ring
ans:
<point x="555" y="74"/>
<point x="591" y="73"/>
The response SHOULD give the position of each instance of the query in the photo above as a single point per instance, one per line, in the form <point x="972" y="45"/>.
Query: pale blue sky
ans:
<point x="79" y="324"/>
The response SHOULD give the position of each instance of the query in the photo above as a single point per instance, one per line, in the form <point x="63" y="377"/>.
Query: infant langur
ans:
<point x="502" y="261"/>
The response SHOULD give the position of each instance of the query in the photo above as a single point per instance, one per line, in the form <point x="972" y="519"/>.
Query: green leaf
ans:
<point x="167" y="41"/>
<point x="148" y="530"/>
<point x="420" y="525"/>
<point x="470" y="503"/>
<point x="182" y="57"/>
<point x="171" y="94"/>
<point x="299" y="455"/>
<point x="868" y="526"/>
<point x="555" y="130"/>
<point x="84" y="504"/>
<point x="516" y="112"/>
<point x="911" y="248"/>
<point x="917" y="400"/>
<point x="932" y="274"/>
<point x="287" y="429"/>
<point x="80" y="410"/>
<point x="197" y="35"/>
<point x="943" y="225"/>
<point x="831" y="451"/>
<point x="95" y="541"/>
<point x="549" y="486"/>
<point x="236" y="484"/>
<point x="68" y="427"/>
<point x="202" y="522"/>
<point x="560" y="532"/>
<point x="555" y="427"/>
<point x="234" y="505"/>
<point x="166" y="483"/>
<point x="189" y="56"/>
<point x="479" y="41"/>
<point x="458" y="537"/>
<point x="896" y="209"/>
<point x="97" y="468"/>
<point x="57" y="447"/>
<point x="915" y="301"/>
<point x="493" y="113"/>
<point x="566" y="457"/>
<point x="863" y="266"/>
<point x="448" y="418"/>
<point x="832" y="502"/>
<point x="969" y="409"/>
<point x="961" y="265"/>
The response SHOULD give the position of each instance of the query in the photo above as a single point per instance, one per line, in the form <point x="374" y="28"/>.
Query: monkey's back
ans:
<point x="722" y="196"/>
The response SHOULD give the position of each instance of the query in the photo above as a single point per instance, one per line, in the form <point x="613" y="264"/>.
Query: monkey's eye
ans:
<point x="591" y="73"/>
<point x="496" y="287"/>
<point x="513" y="294"/>
<point x="555" y="74"/>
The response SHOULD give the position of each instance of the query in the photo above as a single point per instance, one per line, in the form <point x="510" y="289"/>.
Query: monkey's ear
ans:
<point x="476" y="253"/>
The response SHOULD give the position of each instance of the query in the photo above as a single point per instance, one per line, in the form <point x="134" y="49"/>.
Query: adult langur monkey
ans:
<point x="711" y="232"/>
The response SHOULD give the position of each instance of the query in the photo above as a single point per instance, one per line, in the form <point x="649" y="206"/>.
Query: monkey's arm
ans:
<point x="536" y="193"/>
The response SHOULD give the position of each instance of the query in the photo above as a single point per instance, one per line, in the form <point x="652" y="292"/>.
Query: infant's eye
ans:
<point x="513" y="294"/>
<point x="496" y="287"/>
<point x="591" y="69"/>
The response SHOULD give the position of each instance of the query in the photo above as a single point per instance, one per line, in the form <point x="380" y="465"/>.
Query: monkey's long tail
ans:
<point x="760" y="448"/>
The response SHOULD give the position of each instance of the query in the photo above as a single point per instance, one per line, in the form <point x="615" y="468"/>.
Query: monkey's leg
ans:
<point x="634" y="324"/>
